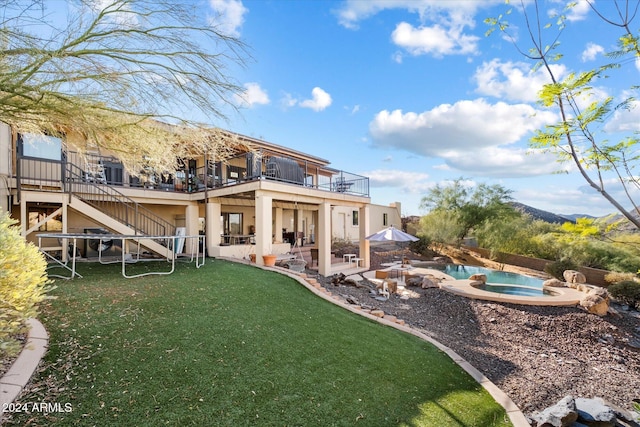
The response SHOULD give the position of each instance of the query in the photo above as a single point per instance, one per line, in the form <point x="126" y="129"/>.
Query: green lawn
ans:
<point x="233" y="345"/>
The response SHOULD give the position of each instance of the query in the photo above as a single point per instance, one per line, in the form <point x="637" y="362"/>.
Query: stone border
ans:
<point x="17" y="377"/>
<point x="516" y="416"/>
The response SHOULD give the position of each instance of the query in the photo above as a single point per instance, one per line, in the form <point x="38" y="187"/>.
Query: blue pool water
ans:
<point x="515" y="290"/>
<point x="462" y="272"/>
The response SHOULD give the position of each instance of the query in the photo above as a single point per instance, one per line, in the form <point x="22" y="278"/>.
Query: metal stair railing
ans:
<point x="115" y="204"/>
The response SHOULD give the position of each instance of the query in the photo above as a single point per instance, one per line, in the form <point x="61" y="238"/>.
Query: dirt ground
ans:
<point x="537" y="355"/>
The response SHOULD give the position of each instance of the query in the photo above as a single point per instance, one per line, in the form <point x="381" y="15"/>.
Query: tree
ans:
<point x="116" y="74"/>
<point x="577" y="136"/>
<point x="440" y="228"/>
<point x="469" y="206"/>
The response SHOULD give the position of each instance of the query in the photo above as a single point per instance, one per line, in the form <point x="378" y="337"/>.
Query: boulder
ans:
<point x="554" y="283"/>
<point x="478" y="278"/>
<point x="596" y="301"/>
<point x="561" y="414"/>
<point x="414" y="281"/>
<point x="573" y="276"/>
<point x="428" y="283"/>
<point x="592" y="411"/>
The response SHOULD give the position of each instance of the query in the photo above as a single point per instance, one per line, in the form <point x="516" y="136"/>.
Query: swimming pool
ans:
<point x="461" y="272"/>
<point x="515" y="290"/>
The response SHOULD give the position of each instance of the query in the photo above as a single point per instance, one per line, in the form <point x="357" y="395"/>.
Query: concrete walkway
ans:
<point x="17" y="377"/>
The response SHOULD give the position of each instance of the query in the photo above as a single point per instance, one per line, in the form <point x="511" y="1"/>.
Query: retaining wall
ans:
<point x="594" y="276"/>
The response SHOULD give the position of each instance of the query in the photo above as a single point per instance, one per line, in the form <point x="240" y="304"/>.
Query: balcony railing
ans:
<point x="272" y="167"/>
<point x="242" y="168"/>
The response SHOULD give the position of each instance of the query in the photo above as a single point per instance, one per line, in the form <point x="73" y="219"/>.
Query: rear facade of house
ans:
<point x="261" y="201"/>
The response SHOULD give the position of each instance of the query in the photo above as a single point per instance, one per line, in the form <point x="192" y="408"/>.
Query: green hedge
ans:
<point x="23" y="281"/>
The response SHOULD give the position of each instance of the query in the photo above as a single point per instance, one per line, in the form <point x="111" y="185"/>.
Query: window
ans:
<point x="232" y="223"/>
<point x="354" y="216"/>
<point x="385" y="219"/>
<point x="40" y="146"/>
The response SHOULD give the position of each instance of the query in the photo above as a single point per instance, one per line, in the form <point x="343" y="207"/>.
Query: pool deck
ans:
<point x="563" y="297"/>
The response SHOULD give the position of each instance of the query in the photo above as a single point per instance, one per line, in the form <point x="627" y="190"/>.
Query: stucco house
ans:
<point x="260" y="201"/>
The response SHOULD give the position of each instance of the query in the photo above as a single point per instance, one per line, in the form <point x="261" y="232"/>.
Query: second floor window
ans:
<point x="385" y="219"/>
<point x="40" y="146"/>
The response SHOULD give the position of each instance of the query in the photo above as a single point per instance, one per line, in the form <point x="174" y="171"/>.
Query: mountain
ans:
<point x="573" y="217"/>
<point x="543" y="215"/>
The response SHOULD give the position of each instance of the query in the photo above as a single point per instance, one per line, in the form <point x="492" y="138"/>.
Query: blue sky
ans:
<point x="413" y="94"/>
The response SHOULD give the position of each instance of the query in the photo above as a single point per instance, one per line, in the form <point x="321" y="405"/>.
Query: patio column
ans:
<point x="299" y="217"/>
<point x="191" y="215"/>
<point x="264" y="231"/>
<point x="364" y="230"/>
<point x="278" y="224"/>
<point x="212" y="227"/>
<point x="323" y="238"/>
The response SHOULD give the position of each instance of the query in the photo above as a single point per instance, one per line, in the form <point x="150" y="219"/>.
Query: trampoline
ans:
<point x="102" y="242"/>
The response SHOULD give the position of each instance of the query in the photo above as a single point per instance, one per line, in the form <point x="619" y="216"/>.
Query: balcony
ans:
<point x="195" y="176"/>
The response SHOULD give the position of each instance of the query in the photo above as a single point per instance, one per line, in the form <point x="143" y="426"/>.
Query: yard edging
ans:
<point x="23" y="368"/>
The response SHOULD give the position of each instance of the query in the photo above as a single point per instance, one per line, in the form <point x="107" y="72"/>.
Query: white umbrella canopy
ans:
<point x="392" y="234"/>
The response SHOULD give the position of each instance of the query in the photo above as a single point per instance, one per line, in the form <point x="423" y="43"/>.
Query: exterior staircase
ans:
<point x="89" y="195"/>
<point x="117" y="227"/>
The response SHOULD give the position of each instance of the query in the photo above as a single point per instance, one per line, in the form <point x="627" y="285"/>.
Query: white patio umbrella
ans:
<point x="392" y="234"/>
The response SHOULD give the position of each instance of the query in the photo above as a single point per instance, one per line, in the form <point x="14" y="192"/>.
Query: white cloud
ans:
<point x="229" y="16"/>
<point x="500" y="162"/>
<point x="462" y="125"/>
<point x="407" y="182"/>
<point x="565" y="198"/>
<point x="253" y="95"/>
<point x="436" y="40"/>
<point x="442" y="24"/>
<point x="468" y="135"/>
<point x="320" y="100"/>
<point x="591" y="52"/>
<point x="625" y="120"/>
<point x="514" y="81"/>
<point x="288" y="100"/>
<point x="354" y="11"/>
<point x="579" y="11"/>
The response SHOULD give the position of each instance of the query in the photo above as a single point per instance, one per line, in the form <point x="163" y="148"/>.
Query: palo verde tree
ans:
<point x="579" y="136"/>
<point x="127" y="76"/>
<point x="466" y="205"/>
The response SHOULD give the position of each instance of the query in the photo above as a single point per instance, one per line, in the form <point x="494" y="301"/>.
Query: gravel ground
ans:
<point x="537" y="355"/>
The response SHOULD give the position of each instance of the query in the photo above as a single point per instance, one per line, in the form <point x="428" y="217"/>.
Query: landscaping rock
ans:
<point x="428" y="283"/>
<point x="478" y="278"/>
<point x="596" y="301"/>
<point x="562" y="414"/>
<point x="554" y="283"/>
<point x="573" y="276"/>
<point x="592" y="411"/>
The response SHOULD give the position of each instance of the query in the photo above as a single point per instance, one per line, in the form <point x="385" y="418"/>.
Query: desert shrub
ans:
<point x="23" y="282"/>
<point x="557" y="268"/>
<point x="615" y="277"/>
<point x="627" y="292"/>
<point x="421" y="246"/>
